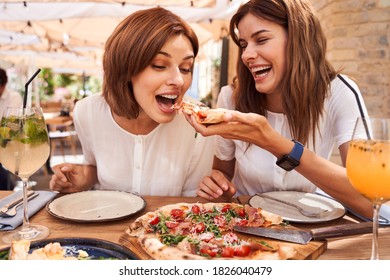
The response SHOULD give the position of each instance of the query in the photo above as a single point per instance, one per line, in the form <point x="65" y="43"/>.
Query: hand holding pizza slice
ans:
<point x="202" y="113"/>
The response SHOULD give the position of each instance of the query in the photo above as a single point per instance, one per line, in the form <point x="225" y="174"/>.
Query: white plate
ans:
<point x="307" y="201"/>
<point x="95" y="206"/>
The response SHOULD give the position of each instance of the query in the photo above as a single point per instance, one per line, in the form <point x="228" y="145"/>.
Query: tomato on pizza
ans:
<point x="204" y="231"/>
<point x="203" y="114"/>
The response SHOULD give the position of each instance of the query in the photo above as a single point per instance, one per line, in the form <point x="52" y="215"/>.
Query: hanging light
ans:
<point x="65" y="38"/>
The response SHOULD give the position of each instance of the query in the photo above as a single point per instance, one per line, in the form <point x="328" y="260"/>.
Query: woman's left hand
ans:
<point x="216" y="186"/>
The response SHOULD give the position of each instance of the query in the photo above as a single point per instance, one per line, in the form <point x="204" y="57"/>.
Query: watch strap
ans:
<point x="290" y="161"/>
<point x="297" y="151"/>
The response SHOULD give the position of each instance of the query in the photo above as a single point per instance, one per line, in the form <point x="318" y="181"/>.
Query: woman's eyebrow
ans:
<point x="170" y="56"/>
<point x="259" y="32"/>
<point x="253" y="35"/>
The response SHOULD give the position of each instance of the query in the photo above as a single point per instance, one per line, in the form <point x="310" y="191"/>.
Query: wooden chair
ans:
<point x="51" y="106"/>
<point x="61" y="131"/>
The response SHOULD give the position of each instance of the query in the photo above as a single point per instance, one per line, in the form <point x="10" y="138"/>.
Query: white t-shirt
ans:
<point x="169" y="161"/>
<point x="256" y="170"/>
<point x="9" y="99"/>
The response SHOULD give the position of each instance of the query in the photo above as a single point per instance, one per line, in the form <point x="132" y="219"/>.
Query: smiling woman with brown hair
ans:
<point x="288" y="109"/>
<point x="131" y="136"/>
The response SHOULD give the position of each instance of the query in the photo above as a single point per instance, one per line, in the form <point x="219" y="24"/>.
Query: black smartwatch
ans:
<point x="292" y="160"/>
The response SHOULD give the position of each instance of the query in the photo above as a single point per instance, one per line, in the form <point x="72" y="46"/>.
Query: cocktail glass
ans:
<point x="24" y="148"/>
<point x="368" y="166"/>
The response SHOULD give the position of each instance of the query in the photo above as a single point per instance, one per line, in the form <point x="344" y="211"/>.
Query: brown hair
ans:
<point x="3" y="77"/>
<point x="131" y="48"/>
<point x="308" y="73"/>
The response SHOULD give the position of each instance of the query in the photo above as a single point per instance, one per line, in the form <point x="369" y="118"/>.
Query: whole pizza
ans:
<point x="199" y="231"/>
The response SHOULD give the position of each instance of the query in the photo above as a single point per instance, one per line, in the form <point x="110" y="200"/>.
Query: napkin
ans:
<point x="384" y="212"/>
<point x="384" y="215"/>
<point x="34" y="205"/>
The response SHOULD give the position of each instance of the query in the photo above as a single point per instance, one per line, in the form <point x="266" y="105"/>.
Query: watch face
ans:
<point x="287" y="163"/>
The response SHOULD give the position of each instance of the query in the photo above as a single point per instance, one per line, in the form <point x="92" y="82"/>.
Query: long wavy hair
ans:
<point x="308" y="72"/>
<point x="131" y="48"/>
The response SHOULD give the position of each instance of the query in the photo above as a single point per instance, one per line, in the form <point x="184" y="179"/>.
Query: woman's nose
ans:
<point x="176" y="78"/>
<point x="248" y="54"/>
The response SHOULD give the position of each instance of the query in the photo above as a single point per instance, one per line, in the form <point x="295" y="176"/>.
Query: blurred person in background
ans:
<point x="8" y="98"/>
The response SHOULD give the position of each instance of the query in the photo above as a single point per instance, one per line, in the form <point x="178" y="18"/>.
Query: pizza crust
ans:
<point x="160" y="251"/>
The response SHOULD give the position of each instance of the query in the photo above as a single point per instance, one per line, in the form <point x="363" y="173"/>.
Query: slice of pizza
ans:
<point x="52" y="251"/>
<point x="203" y="114"/>
<point x="204" y="231"/>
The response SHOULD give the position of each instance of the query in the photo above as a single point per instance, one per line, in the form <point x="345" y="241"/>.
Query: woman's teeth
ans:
<point x="169" y="96"/>
<point x="261" y="71"/>
<point x="166" y="100"/>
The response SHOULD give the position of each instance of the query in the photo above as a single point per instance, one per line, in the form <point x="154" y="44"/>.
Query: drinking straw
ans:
<point x="26" y="87"/>
<point x="364" y="119"/>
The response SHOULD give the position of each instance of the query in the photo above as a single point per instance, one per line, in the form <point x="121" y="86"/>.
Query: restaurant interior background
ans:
<point x="66" y="39"/>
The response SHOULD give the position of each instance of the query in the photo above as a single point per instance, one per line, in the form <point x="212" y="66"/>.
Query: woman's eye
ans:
<point x="261" y="40"/>
<point x="185" y="70"/>
<point x="243" y="46"/>
<point x="158" y="66"/>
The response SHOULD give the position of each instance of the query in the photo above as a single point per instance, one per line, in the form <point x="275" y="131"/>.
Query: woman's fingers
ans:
<point x="216" y="185"/>
<point x="57" y="184"/>
<point x="201" y="193"/>
<point x="208" y="186"/>
<point x="60" y="171"/>
<point x="61" y="180"/>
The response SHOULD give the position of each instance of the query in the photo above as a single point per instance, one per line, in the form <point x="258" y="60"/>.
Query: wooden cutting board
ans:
<point x="309" y="251"/>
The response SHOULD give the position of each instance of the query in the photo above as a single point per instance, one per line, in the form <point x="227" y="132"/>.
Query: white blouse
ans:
<point x="169" y="161"/>
<point x="256" y="170"/>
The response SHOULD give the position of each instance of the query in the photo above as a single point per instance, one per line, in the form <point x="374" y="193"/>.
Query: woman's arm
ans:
<point x="328" y="176"/>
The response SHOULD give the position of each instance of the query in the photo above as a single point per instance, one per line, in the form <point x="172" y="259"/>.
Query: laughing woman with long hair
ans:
<point x="289" y="108"/>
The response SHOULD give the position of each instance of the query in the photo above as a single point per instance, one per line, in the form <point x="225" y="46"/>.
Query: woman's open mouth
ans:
<point x="166" y="102"/>
<point x="261" y="71"/>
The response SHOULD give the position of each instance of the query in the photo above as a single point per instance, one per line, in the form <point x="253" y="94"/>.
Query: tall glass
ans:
<point x="368" y="166"/>
<point x="24" y="148"/>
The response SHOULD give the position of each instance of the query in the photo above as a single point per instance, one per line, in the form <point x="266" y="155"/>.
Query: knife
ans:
<point x="305" y="236"/>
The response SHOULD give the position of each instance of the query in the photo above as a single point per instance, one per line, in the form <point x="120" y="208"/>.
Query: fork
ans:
<point x="304" y="212"/>
<point x="12" y="211"/>
<point x="5" y="208"/>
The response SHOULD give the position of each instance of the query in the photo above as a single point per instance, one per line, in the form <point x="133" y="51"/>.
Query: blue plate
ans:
<point x="97" y="249"/>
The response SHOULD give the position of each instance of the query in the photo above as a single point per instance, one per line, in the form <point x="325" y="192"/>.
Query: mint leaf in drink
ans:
<point x="35" y="130"/>
<point x="4" y="136"/>
<point x="4" y="132"/>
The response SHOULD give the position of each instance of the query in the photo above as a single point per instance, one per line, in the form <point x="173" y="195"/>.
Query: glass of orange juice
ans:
<point x="368" y="166"/>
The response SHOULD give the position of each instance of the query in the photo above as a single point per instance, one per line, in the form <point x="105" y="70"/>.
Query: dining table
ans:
<point x="341" y="248"/>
